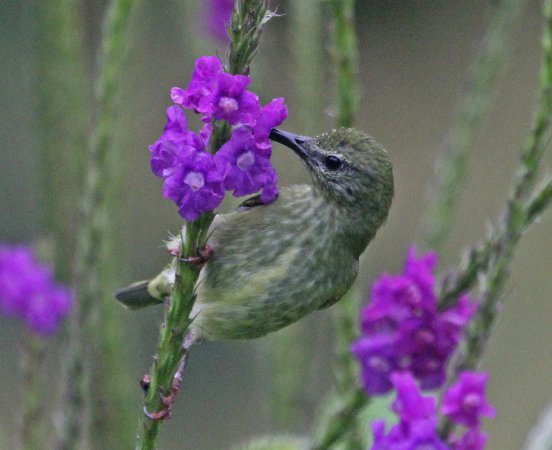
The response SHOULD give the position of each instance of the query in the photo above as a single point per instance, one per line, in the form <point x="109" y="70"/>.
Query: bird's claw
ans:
<point x="201" y="258"/>
<point x="164" y="414"/>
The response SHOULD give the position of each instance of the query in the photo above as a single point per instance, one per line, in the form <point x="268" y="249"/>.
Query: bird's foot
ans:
<point x="167" y="400"/>
<point x="201" y="258"/>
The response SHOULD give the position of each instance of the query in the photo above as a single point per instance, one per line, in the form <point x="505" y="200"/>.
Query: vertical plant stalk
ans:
<point x="61" y="87"/>
<point x="339" y="417"/>
<point x="91" y="231"/>
<point x="345" y="56"/>
<point x="450" y="170"/>
<point x="33" y="424"/>
<point x="248" y="18"/>
<point x="518" y="214"/>
<point x="62" y="93"/>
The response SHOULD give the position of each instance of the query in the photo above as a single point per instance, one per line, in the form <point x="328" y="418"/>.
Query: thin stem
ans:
<point x="33" y="426"/>
<point x="345" y="55"/>
<point x="341" y="414"/>
<point x="62" y="86"/>
<point x="516" y="217"/>
<point x="494" y="275"/>
<point x="248" y="18"/>
<point x="450" y="170"/>
<point x="92" y="225"/>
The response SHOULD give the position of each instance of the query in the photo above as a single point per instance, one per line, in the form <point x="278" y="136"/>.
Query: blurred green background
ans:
<point x="414" y="57"/>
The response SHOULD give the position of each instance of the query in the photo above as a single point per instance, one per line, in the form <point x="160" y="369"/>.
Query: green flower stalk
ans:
<point x="450" y="170"/>
<point x="166" y="373"/>
<point x="33" y="424"/>
<point x="92" y="227"/>
<point x="61" y="87"/>
<point x="521" y="208"/>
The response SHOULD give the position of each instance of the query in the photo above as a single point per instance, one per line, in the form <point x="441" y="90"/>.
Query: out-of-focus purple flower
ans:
<point x="473" y="439"/>
<point x="28" y="290"/>
<point x="246" y="168"/>
<point x="465" y="402"/>
<point x="402" y="329"/>
<point x="203" y="83"/>
<point x="217" y="14"/>
<point x="417" y="420"/>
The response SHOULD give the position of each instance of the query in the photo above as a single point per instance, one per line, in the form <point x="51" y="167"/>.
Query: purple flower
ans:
<point x="402" y="329"/>
<point x="465" y="401"/>
<point x="417" y="427"/>
<point x="231" y="101"/>
<point x="203" y="84"/>
<point x="175" y="140"/>
<point x="195" y="179"/>
<point x="418" y="419"/>
<point x="218" y="14"/>
<point x="269" y="117"/>
<point x="28" y="291"/>
<point x="473" y="439"/>
<point x="247" y="169"/>
<point x="194" y="183"/>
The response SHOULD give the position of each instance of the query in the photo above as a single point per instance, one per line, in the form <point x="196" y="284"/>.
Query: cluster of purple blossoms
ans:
<point x="464" y="404"/>
<point x="196" y="179"/>
<point x="403" y="330"/>
<point x="217" y="14"/>
<point x="28" y="290"/>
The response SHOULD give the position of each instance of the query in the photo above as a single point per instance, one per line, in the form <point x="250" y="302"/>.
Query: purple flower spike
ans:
<point x="196" y="180"/>
<point x="417" y="427"/>
<point x="473" y="439"/>
<point x="410" y="405"/>
<point x="247" y="170"/>
<point x="28" y="291"/>
<point x="465" y="401"/>
<point x="194" y="184"/>
<point x="402" y="327"/>
<point x="218" y="14"/>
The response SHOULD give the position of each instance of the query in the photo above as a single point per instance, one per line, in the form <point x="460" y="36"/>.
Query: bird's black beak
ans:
<point x="293" y="141"/>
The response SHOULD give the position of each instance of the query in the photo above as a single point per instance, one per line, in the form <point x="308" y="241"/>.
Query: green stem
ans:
<point x="248" y="18"/>
<point x="34" y="426"/>
<point x="450" y="171"/>
<point x="62" y="86"/>
<point x="345" y="55"/>
<point x="341" y="415"/>
<point x="92" y="226"/>
<point x="494" y="275"/>
<point x="518" y="214"/>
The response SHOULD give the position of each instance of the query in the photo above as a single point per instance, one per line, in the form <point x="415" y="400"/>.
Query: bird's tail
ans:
<point x="136" y="296"/>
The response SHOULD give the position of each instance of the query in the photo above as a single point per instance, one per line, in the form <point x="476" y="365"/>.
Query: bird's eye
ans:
<point x="333" y="162"/>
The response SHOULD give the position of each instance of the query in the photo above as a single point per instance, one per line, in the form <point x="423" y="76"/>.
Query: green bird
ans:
<point x="271" y="265"/>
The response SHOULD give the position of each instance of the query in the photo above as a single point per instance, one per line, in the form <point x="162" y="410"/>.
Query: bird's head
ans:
<point x="348" y="167"/>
